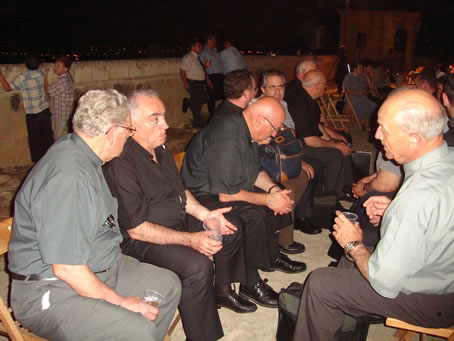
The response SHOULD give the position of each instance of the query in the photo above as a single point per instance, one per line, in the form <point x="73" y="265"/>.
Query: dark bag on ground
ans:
<point x="354" y="329"/>
<point x="281" y="158"/>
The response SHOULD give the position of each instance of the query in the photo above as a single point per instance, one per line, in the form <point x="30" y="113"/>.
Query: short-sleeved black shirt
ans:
<point x="146" y="190"/>
<point x="303" y="109"/>
<point x="222" y="158"/>
<point x="226" y="108"/>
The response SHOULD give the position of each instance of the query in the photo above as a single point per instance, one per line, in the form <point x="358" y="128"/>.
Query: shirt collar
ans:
<point x="195" y="54"/>
<point x="134" y="147"/>
<point x="422" y="162"/>
<point x="86" y="150"/>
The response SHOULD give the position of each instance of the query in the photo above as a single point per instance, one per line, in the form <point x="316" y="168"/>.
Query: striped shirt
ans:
<point x="62" y="94"/>
<point x="31" y="86"/>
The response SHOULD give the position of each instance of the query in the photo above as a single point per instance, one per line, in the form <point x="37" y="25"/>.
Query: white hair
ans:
<point x="133" y="99"/>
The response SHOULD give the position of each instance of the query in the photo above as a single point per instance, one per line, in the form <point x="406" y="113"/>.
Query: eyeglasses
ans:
<point x="275" y="130"/>
<point x="131" y="130"/>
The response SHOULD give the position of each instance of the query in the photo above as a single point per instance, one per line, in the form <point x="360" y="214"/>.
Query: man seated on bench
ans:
<point x="70" y="280"/>
<point x="409" y="275"/>
<point x="162" y="223"/>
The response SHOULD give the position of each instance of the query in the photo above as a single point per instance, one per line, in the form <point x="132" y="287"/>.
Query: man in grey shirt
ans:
<point x="409" y="275"/>
<point x="70" y="281"/>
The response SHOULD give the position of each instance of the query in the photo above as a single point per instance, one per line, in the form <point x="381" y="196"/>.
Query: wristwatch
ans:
<point x="349" y="247"/>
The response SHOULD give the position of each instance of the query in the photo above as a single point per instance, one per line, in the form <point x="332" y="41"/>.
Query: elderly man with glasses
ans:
<point x="70" y="280"/>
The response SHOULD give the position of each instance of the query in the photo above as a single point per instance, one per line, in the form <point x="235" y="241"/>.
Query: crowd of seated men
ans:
<point x="105" y="215"/>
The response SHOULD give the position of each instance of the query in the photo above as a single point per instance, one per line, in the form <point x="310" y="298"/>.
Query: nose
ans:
<point x="379" y="133"/>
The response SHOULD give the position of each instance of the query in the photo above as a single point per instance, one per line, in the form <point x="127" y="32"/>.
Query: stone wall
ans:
<point x="161" y="75"/>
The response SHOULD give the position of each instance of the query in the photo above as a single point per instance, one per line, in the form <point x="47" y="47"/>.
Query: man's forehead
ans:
<point x="275" y="79"/>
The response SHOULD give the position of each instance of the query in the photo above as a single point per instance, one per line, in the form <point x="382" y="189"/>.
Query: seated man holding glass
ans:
<point x="162" y="223"/>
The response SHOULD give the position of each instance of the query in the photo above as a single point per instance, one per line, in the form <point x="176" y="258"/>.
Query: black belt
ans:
<point x="39" y="278"/>
<point x="194" y="81"/>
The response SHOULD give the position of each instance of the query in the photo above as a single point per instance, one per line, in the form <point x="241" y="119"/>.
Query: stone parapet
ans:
<point x="159" y="74"/>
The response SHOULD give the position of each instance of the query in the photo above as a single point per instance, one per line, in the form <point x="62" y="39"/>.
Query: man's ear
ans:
<point x="445" y="100"/>
<point x="415" y="141"/>
<point x="110" y="135"/>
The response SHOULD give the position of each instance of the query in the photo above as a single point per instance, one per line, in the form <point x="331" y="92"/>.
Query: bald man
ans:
<point x="409" y="276"/>
<point x="221" y="169"/>
<point x="320" y="142"/>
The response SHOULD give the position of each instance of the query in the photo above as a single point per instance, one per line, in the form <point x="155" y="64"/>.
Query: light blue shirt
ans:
<point x="215" y="57"/>
<point x="288" y="122"/>
<point x="416" y="249"/>
<point x="232" y="60"/>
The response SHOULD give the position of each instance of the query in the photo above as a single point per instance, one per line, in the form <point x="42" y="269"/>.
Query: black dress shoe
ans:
<point x="285" y="264"/>
<point x="305" y="226"/>
<point x="293" y="248"/>
<point x="236" y="303"/>
<point x="261" y="293"/>
<point x="185" y="105"/>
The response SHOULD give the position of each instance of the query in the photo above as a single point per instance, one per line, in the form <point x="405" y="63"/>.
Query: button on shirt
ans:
<point x="62" y="95"/>
<point x="146" y="190"/>
<point x="191" y="65"/>
<point x="222" y="158"/>
<point x="33" y="94"/>
<point x="61" y="213"/>
<point x="416" y="249"/>
<point x="215" y="57"/>
<point x="232" y="60"/>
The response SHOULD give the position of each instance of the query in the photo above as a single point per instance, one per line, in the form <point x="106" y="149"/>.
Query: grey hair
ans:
<point x="98" y="110"/>
<point x="269" y="73"/>
<point x="304" y="66"/>
<point x="133" y="97"/>
<point x="417" y="118"/>
<point x="309" y="82"/>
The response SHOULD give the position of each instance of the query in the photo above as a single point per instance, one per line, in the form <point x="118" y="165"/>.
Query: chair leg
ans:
<point x="404" y="335"/>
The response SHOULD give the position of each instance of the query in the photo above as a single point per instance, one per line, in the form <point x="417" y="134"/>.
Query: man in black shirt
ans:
<point x="221" y="168"/>
<point x="321" y="142"/>
<point x="161" y="223"/>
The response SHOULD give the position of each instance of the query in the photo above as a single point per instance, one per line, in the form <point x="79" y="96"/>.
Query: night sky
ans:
<point x="273" y="24"/>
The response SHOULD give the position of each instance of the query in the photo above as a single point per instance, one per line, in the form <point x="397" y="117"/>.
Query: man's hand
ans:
<point x="209" y="83"/>
<point x="201" y="242"/>
<point x="346" y="150"/>
<point x="226" y="226"/>
<point x="134" y="303"/>
<point x="186" y="86"/>
<point x="279" y="201"/>
<point x="336" y="136"/>
<point x="358" y="189"/>
<point x="375" y="208"/>
<point x="345" y="231"/>
<point x="308" y="169"/>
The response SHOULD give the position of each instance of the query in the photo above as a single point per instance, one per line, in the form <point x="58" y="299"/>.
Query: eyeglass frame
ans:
<point x="275" y="130"/>
<point x="131" y="129"/>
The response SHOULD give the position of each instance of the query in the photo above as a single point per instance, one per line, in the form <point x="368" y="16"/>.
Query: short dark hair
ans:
<point x="210" y="35"/>
<point x="428" y="75"/>
<point x="236" y="82"/>
<point x="65" y="60"/>
<point x="194" y="41"/>
<point x="33" y="61"/>
<point x="449" y="88"/>
<point x="268" y="73"/>
<point x="366" y="62"/>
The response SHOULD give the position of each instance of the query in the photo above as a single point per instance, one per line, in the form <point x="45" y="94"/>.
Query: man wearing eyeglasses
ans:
<point x="221" y="168"/>
<point x="162" y="223"/>
<point x="70" y="280"/>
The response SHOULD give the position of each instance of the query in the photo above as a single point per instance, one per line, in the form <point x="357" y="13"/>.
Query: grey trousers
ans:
<point x="53" y="310"/>
<point x="331" y="292"/>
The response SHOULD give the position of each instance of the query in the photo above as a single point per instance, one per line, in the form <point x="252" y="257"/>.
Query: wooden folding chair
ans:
<point x="8" y="325"/>
<point x="352" y="112"/>
<point x="178" y="158"/>
<point x="407" y="330"/>
<point x="328" y="108"/>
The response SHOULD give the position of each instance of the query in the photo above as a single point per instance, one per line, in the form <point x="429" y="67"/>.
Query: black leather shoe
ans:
<point x="261" y="293"/>
<point x="305" y="226"/>
<point x="236" y="303"/>
<point x="185" y="105"/>
<point x="293" y="248"/>
<point x="285" y="264"/>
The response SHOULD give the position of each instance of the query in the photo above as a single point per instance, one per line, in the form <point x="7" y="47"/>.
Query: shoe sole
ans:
<point x="291" y="252"/>
<point x="245" y="296"/>
<point x="287" y="272"/>
<point x="219" y="306"/>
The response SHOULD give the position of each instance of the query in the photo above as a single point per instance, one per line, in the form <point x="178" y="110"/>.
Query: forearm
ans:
<point x="194" y="208"/>
<point x="242" y="195"/>
<point x="85" y="283"/>
<point x="4" y="83"/>
<point x="264" y="182"/>
<point x="158" y="234"/>
<point x="361" y="256"/>
<point x="46" y="85"/>
<point x="316" y="141"/>
<point x="183" y="76"/>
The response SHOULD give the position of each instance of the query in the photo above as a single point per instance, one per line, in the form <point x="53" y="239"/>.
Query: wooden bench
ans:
<point x="407" y="330"/>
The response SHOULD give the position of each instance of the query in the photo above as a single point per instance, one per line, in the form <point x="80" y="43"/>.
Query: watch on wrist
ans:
<point x="349" y="247"/>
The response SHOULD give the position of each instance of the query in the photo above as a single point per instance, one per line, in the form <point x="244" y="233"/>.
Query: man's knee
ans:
<point x="199" y="271"/>
<point x="139" y="328"/>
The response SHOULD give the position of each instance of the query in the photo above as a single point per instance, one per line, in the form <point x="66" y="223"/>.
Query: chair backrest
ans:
<point x="5" y="233"/>
<point x="178" y="158"/>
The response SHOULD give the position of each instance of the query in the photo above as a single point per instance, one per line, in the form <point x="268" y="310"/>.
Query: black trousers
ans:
<point x="198" y="304"/>
<point x="304" y="207"/>
<point x="331" y="292"/>
<point x="199" y="96"/>
<point x="337" y="169"/>
<point x="260" y="227"/>
<point x="40" y="136"/>
<point x="217" y="92"/>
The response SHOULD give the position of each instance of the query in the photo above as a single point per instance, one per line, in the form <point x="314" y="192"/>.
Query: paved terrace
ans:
<point x="258" y="326"/>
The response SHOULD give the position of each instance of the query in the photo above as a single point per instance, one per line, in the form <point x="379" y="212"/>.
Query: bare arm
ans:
<point x="85" y="283"/>
<point x="315" y="141"/>
<point x="384" y="182"/>
<point x="46" y="81"/>
<point x="4" y="83"/>
<point x="184" y="78"/>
